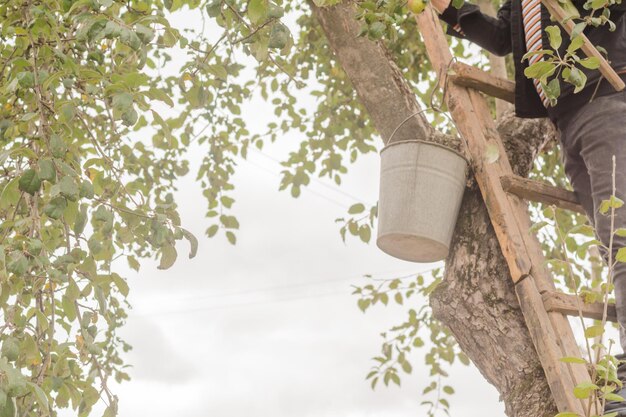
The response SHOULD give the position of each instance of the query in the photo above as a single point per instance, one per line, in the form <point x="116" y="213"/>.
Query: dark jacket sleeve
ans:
<point x="491" y="33"/>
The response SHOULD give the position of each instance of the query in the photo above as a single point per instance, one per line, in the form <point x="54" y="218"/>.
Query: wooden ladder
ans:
<point x="544" y="308"/>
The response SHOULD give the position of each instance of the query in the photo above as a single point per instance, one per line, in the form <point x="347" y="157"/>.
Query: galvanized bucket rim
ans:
<point x="427" y="142"/>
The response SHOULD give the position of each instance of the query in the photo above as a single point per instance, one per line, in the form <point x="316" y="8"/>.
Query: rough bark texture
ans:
<point x="476" y="300"/>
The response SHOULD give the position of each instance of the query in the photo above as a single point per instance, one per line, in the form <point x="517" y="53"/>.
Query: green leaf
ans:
<point x="578" y="29"/>
<point x="554" y="35"/>
<point x="275" y="12"/>
<point x="193" y="241"/>
<point x="121" y="284"/>
<point x="47" y="171"/>
<point x="231" y="237"/>
<point x="130" y="38"/>
<point x="130" y="117"/>
<point x="40" y="396"/>
<point x="57" y="146"/>
<point x="69" y="188"/>
<point x="377" y="30"/>
<point x="365" y="233"/>
<point x="540" y="69"/>
<point x="168" y="257"/>
<point x="576" y="44"/>
<point x="10" y="194"/>
<point x="571" y="359"/>
<point x="86" y="189"/>
<point x="229" y="222"/>
<point x="133" y="263"/>
<point x="609" y="396"/>
<point x="363" y="304"/>
<point x="553" y="88"/>
<point x="145" y="34"/>
<point x="55" y="208"/>
<point x="395" y="378"/>
<point x="110" y="412"/>
<point x="594" y="331"/>
<point x="18" y="264"/>
<point x="212" y="230"/>
<point x="584" y="390"/>
<point x="10" y="348"/>
<point x="621" y="255"/>
<point x="257" y="11"/>
<point x="30" y="181"/>
<point x="492" y="153"/>
<point x="591" y="62"/>
<point x="612" y="203"/>
<point x="398" y="298"/>
<point x="583" y="229"/>
<point x="81" y="220"/>
<point x="279" y="36"/>
<point x="567" y="414"/>
<point x="448" y="390"/>
<point x="122" y="101"/>
<point x="9" y="408"/>
<point x="356" y="208"/>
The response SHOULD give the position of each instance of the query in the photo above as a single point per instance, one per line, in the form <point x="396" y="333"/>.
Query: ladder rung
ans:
<point x="541" y="192"/>
<point x="469" y="76"/>
<point x="567" y="304"/>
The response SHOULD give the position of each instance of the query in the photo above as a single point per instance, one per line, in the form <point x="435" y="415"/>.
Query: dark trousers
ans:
<point x="590" y="136"/>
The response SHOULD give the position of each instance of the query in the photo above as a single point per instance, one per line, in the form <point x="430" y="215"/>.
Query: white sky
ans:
<point x="269" y="327"/>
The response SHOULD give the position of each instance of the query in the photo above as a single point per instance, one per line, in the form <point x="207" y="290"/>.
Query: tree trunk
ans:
<point x="476" y="300"/>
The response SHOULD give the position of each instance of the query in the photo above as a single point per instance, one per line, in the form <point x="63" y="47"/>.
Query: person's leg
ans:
<point x="589" y="140"/>
<point x="595" y="135"/>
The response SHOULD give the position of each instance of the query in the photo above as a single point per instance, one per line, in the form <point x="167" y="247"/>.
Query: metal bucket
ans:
<point x="421" y="187"/>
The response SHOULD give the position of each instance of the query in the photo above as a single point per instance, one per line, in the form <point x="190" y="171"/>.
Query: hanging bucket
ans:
<point x="421" y="187"/>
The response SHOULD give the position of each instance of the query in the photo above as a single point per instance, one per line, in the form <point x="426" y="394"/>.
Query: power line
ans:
<point x="269" y="171"/>
<point x="253" y="303"/>
<point x="264" y="302"/>
<point x="405" y="274"/>
<point x="315" y="179"/>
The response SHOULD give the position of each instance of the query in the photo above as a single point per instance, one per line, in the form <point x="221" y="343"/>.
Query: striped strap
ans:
<point x="531" y="17"/>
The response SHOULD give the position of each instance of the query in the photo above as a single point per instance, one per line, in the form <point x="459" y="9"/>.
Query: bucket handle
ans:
<point x="404" y="121"/>
<point x="432" y="106"/>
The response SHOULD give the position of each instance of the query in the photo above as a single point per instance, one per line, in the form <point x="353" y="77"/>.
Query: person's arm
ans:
<point x="468" y="22"/>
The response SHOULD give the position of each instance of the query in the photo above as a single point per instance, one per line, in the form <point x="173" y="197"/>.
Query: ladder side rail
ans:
<point x="555" y="326"/>
<point x="479" y="136"/>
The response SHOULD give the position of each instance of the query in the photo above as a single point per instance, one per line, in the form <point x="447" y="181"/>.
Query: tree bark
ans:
<point x="377" y="80"/>
<point x="476" y="299"/>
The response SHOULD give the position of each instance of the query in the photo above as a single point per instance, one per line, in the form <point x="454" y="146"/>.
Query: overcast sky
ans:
<point x="269" y="327"/>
